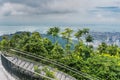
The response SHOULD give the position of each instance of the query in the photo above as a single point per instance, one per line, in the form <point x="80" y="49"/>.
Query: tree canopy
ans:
<point x="102" y="63"/>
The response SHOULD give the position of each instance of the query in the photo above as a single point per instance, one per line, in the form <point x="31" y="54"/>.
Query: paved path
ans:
<point x="4" y="75"/>
<point x="30" y="67"/>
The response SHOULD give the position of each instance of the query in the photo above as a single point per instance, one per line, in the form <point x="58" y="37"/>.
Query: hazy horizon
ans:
<point x="5" y="29"/>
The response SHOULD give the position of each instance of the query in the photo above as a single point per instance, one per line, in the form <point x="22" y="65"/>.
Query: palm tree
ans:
<point x="85" y="31"/>
<point x="79" y="34"/>
<point x="54" y="32"/>
<point x="89" y="38"/>
<point x="67" y="35"/>
<point x="49" y="32"/>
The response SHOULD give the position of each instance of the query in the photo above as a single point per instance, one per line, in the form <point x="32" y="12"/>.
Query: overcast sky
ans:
<point x="59" y="11"/>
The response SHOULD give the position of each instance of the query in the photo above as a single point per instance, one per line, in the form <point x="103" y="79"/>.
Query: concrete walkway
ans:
<point x="27" y="65"/>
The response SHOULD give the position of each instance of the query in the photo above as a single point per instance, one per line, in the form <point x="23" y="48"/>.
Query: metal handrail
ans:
<point x="56" y="63"/>
<point x="30" y="70"/>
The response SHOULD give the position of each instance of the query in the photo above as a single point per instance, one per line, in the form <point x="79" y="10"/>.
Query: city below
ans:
<point x="107" y="37"/>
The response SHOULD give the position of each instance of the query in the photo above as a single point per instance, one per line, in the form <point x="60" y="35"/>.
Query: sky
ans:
<point x="20" y="15"/>
<point x="27" y="12"/>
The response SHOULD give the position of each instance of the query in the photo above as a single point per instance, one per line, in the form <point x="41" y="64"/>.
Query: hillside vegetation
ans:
<point x="102" y="63"/>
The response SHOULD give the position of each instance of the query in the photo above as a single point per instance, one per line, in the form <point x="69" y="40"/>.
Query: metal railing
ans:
<point x="20" y="73"/>
<point x="56" y="63"/>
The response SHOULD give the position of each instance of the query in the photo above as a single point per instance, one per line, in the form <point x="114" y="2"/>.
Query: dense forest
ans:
<point x="102" y="63"/>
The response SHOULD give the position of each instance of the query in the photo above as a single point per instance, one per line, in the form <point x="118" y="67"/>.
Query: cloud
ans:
<point x="109" y="8"/>
<point x="59" y="11"/>
<point x="108" y="12"/>
<point x="30" y="7"/>
<point x="13" y="9"/>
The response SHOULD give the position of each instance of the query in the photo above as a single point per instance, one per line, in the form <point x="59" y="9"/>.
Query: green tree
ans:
<point x="82" y="50"/>
<point x="79" y="34"/>
<point x="35" y="44"/>
<point x="85" y="31"/>
<point x="57" y="51"/>
<point x="48" y="44"/>
<point x="54" y="32"/>
<point x="112" y="50"/>
<point x="14" y="40"/>
<point x="103" y="67"/>
<point x="89" y="39"/>
<point x="36" y="35"/>
<point x="102" y="48"/>
<point x="4" y="43"/>
<point x="66" y="34"/>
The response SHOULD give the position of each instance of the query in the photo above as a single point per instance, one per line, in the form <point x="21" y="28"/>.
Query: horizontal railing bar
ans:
<point x="29" y="70"/>
<point x="56" y="63"/>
